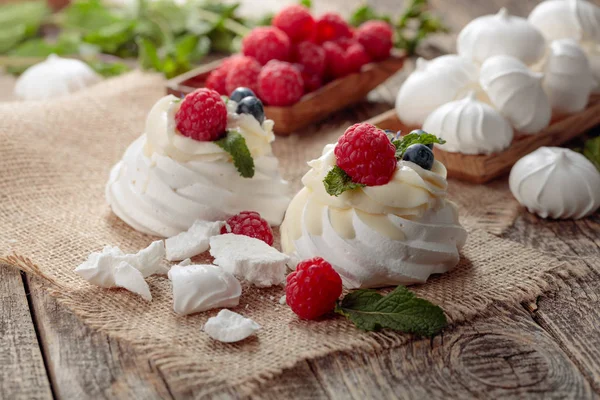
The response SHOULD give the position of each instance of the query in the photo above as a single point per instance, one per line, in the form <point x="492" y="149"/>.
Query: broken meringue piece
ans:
<point x="199" y="288"/>
<point x="250" y="258"/>
<point x="192" y="242"/>
<point x="127" y="277"/>
<point x="113" y="268"/>
<point x="229" y="327"/>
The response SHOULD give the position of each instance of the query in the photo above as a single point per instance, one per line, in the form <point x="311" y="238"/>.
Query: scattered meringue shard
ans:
<point x="470" y="127"/>
<point x="167" y="181"/>
<point x="113" y="268"/>
<point x="230" y="327"/>
<point x="434" y="83"/>
<point x="249" y="258"/>
<point x="54" y="77"/>
<point x="517" y="93"/>
<point x="199" y="288"/>
<point x="568" y="79"/>
<point x="567" y="19"/>
<point x="554" y="182"/>
<point x="394" y="234"/>
<point x="192" y="242"/>
<point x="500" y="34"/>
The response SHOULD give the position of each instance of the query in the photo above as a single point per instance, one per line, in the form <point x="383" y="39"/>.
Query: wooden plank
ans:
<point x="572" y="315"/>
<point x="22" y="371"/>
<point x="505" y="355"/>
<point x="85" y="364"/>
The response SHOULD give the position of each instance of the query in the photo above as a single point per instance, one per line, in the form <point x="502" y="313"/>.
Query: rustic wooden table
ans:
<point x="546" y="349"/>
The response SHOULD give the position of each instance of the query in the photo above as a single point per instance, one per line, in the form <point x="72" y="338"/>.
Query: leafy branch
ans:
<point x="414" y="25"/>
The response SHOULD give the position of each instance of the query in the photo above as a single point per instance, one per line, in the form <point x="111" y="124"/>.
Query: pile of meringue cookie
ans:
<point x="510" y="74"/>
<point x="196" y="288"/>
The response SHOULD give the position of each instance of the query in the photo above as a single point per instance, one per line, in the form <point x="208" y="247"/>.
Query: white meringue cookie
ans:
<point x="567" y="19"/>
<point x="166" y="181"/>
<point x="568" y="78"/>
<point x="557" y="183"/>
<point x="230" y="327"/>
<point x="470" y="127"/>
<point x="56" y="76"/>
<point x="592" y="51"/>
<point x="192" y="242"/>
<point x="517" y="93"/>
<point x="398" y="233"/>
<point x="500" y="34"/>
<point x="198" y="288"/>
<point x="432" y="84"/>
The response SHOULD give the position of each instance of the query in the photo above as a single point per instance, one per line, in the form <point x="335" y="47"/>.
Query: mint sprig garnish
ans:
<point x="404" y="142"/>
<point x="400" y="310"/>
<point x="235" y="144"/>
<point x="591" y="150"/>
<point x="338" y="181"/>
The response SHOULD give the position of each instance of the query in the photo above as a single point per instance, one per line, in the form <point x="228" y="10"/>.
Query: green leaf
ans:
<point x="235" y="144"/>
<point x="591" y="149"/>
<point x="109" y="69"/>
<point x="338" y="181"/>
<point x="19" y="21"/>
<point x="400" y="310"/>
<point x="306" y="3"/>
<point x="88" y="16"/>
<point x="111" y="37"/>
<point x="148" y="55"/>
<point x="366" y="13"/>
<point x="414" y="138"/>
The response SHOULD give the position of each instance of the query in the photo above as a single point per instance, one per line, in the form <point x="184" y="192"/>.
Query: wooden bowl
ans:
<point x="313" y="106"/>
<point x="485" y="167"/>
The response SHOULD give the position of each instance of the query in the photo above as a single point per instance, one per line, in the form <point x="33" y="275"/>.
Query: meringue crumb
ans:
<point x="282" y="300"/>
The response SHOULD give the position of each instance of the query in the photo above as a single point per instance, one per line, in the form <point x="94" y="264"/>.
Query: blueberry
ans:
<point x="251" y="105"/>
<point x="420" y="155"/>
<point x="421" y="132"/>
<point x="238" y="94"/>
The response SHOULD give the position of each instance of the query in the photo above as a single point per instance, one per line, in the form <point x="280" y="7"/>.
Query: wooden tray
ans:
<point x="314" y="106"/>
<point x="484" y="168"/>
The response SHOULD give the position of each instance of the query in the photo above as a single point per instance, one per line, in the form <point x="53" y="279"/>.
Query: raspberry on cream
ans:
<point x="167" y="181"/>
<point x="375" y="236"/>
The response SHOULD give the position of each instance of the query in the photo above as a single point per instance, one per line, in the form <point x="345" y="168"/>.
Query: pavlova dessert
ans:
<point x="374" y="206"/>
<point x="202" y="157"/>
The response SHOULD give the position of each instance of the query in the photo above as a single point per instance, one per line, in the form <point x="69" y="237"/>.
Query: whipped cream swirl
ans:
<point x="166" y="181"/>
<point x="398" y="233"/>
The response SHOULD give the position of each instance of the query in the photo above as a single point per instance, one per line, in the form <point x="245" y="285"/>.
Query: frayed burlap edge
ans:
<point x="197" y="379"/>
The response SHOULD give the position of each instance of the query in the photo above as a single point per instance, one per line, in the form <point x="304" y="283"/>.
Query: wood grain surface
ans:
<point x="546" y="349"/>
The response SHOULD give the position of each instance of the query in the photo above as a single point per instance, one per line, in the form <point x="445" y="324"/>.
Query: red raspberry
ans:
<point x="280" y="84"/>
<point x="243" y="73"/>
<point x="216" y="79"/>
<point x="345" y="42"/>
<point x="332" y="26"/>
<point x="366" y="154"/>
<point x="335" y="59"/>
<point x="249" y="223"/>
<point x="356" y="56"/>
<point x="311" y="56"/>
<point x="202" y="115"/>
<point x="296" y="22"/>
<point x="312" y="81"/>
<point x="376" y="38"/>
<point x="267" y="43"/>
<point x="313" y="289"/>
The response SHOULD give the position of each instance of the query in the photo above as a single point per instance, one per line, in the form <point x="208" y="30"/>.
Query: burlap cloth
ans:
<point x="54" y="161"/>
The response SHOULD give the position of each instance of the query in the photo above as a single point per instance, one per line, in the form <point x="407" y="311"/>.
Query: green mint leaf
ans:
<point x="235" y="144"/>
<point x="404" y="142"/>
<point x="591" y="149"/>
<point x="400" y="310"/>
<point x="338" y="181"/>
